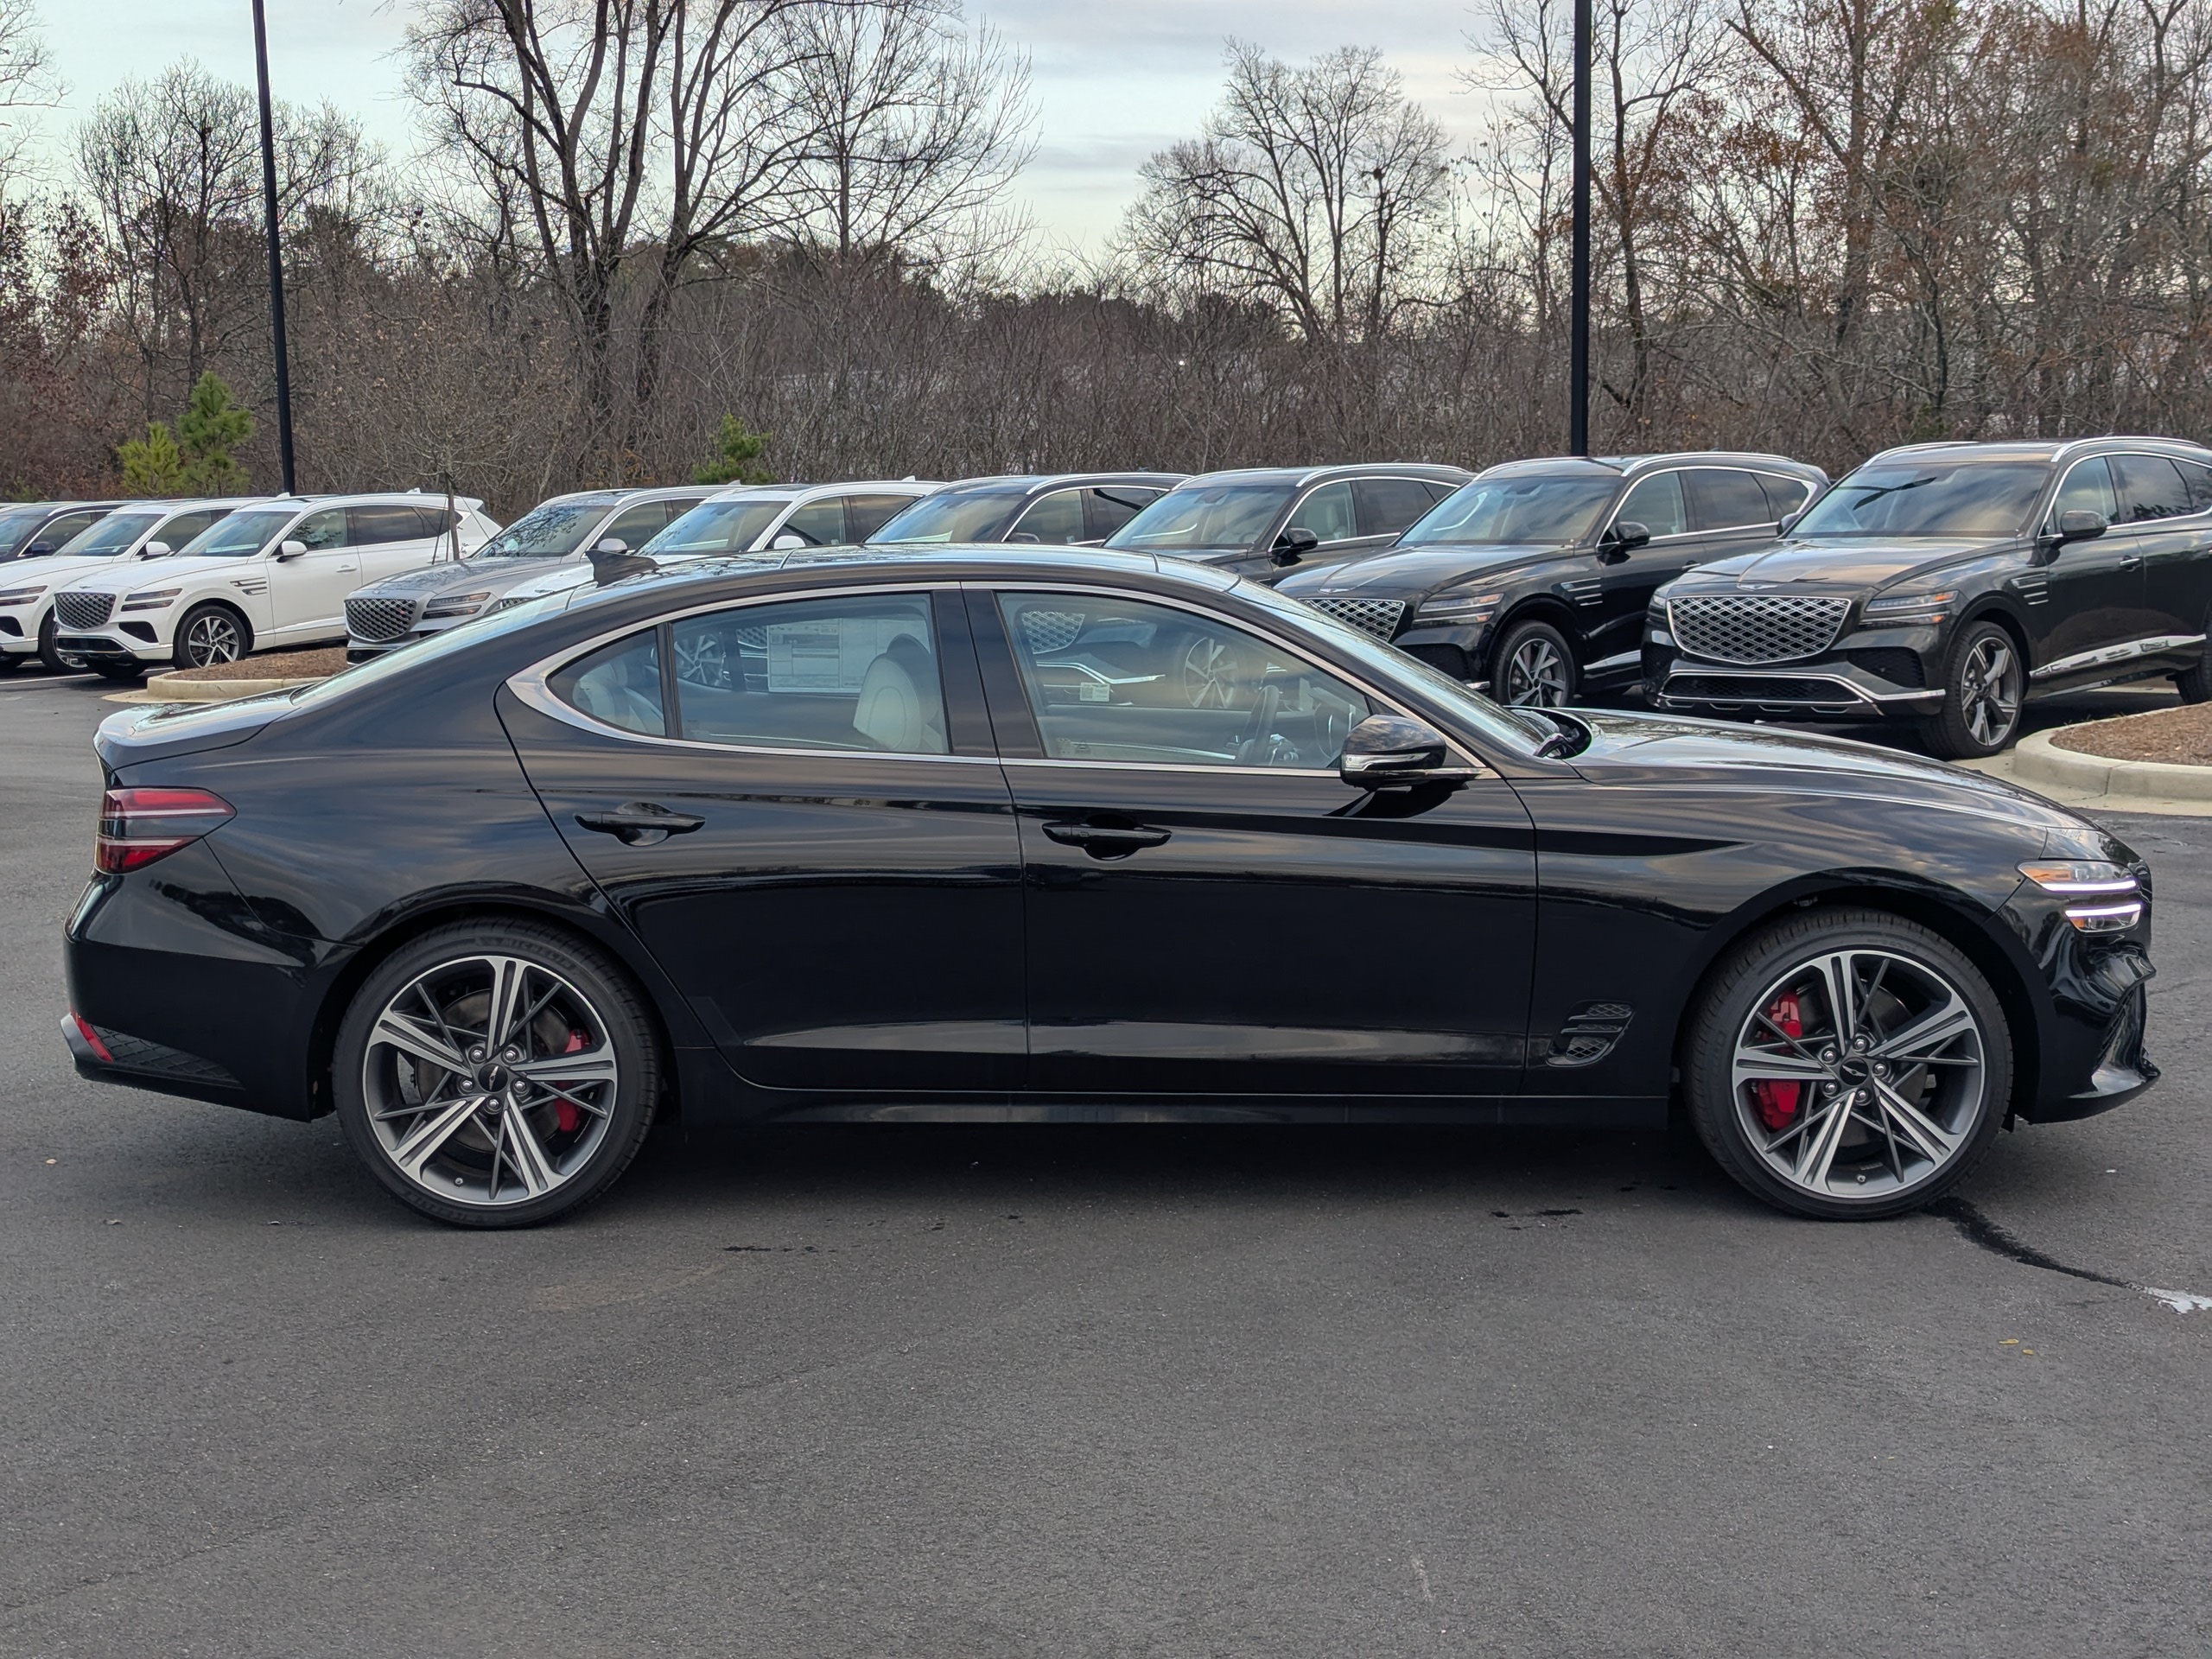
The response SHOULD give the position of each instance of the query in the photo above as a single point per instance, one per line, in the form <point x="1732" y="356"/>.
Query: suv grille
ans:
<point x="83" y="610"/>
<point x="1377" y="616"/>
<point x="1755" y="627"/>
<point x="378" y="619"/>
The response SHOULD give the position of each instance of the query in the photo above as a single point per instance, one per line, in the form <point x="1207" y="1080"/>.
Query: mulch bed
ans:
<point x="2180" y="737"/>
<point x="276" y="666"/>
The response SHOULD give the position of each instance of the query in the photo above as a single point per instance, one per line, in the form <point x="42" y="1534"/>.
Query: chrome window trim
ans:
<point x="1298" y="501"/>
<point x="1636" y="481"/>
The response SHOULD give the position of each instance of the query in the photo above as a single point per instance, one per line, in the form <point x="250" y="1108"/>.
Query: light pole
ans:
<point x="276" y="253"/>
<point x="1577" y="351"/>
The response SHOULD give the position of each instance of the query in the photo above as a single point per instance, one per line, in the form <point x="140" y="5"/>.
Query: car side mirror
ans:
<point x="1622" y="539"/>
<point x="1293" y="544"/>
<point x="37" y="550"/>
<point x="289" y="550"/>
<point x="612" y="560"/>
<point x="2079" y="525"/>
<point x="789" y="540"/>
<point x="612" y="547"/>
<point x="1789" y="521"/>
<point x="155" y="551"/>
<point x="1391" y="752"/>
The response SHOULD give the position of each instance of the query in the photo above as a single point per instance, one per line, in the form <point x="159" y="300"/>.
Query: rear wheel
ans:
<point x="1848" y="1065"/>
<point x="210" y="634"/>
<point x="2195" y="685"/>
<point x="1983" y="683"/>
<point x="496" y="1074"/>
<point x="1533" y="667"/>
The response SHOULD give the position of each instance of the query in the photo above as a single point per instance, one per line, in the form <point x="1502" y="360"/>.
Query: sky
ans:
<point x="1112" y="82"/>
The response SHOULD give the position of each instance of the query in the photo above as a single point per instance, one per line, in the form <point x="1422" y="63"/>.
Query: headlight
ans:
<point x="2116" y="900"/>
<point x="1460" y="608"/>
<point x="1908" y="610"/>
<point x="154" y="599"/>
<point x="457" y="605"/>
<point x="20" y="595"/>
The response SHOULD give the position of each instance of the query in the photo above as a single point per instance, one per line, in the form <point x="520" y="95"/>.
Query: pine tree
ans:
<point x="153" y="466"/>
<point x="737" y="463"/>
<point x="212" y="426"/>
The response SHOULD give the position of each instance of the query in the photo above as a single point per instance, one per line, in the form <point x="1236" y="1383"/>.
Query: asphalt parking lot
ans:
<point x="1128" y="1390"/>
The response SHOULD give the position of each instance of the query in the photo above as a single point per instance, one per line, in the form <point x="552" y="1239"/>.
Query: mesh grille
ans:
<point x="1893" y="663"/>
<point x="1778" y="692"/>
<point x="83" y="610"/>
<point x="1755" y="627"/>
<point x="378" y="619"/>
<point x="1377" y="616"/>
<point x="1051" y="631"/>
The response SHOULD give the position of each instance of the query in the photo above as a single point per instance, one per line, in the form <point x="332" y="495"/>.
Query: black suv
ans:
<point x="1533" y="580"/>
<point x="1950" y="583"/>
<point x="1261" y="521"/>
<point x="1058" y="509"/>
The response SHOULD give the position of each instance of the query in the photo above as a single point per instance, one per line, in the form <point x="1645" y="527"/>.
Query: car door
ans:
<point x="807" y="827"/>
<point x="1610" y="601"/>
<point x="1209" y="909"/>
<point x="307" y="590"/>
<point x="2173" y="535"/>
<point x="2095" y="586"/>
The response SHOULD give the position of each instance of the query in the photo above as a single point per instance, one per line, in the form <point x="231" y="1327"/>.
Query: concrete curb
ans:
<point x="174" y="688"/>
<point x="2038" y="759"/>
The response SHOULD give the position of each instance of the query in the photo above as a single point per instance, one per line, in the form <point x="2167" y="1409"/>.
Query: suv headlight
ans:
<point x="1459" y="608"/>
<point x="2112" y="897"/>
<point x="20" y="595"/>
<point x="1908" y="610"/>
<point x="455" y="605"/>
<point x="154" y="599"/>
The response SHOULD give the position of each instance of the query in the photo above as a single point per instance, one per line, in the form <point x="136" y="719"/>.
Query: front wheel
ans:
<point x="496" y="1074"/>
<point x="2195" y="683"/>
<point x="1534" y="668"/>
<point x="48" y="652"/>
<point x="1983" y="683"/>
<point x="210" y="634"/>
<point x="1848" y="1065"/>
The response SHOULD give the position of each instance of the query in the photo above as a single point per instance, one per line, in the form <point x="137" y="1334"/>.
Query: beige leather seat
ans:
<point x="900" y="708"/>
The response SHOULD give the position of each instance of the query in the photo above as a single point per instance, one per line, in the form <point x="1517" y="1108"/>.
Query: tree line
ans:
<point x="1822" y="226"/>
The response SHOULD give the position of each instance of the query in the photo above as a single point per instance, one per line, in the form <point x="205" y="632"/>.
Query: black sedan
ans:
<point x="1531" y="582"/>
<point x="977" y="834"/>
<point x="1946" y="585"/>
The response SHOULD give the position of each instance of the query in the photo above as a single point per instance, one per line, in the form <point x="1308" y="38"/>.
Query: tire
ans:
<point x="211" y="633"/>
<point x="1533" y="667"/>
<point x="2195" y="685"/>
<point x="46" y="653"/>
<point x="1984" y="680"/>
<point x="1907" y="1135"/>
<point x="10" y="662"/>
<point x="582" y="1095"/>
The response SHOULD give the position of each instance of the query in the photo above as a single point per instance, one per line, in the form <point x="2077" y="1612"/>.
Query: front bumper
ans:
<point x="112" y="647"/>
<point x="1877" y="675"/>
<point x="2090" y="1039"/>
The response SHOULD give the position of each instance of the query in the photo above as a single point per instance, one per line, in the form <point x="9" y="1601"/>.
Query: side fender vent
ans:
<point x="1590" y="1033"/>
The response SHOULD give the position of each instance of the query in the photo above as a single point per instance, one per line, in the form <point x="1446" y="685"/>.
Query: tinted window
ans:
<point x="1437" y="492"/>
<point x="1724" y="499"/>
<point x="866" y="514"/>
<point x="1203" y="518"/>
<point x="1119" y="679"/>
<point x="186" y="525"/>
<point x="67" y="528"/>
<point x="1783" y="495"/>
<point x="550" y="529"/>
<point x="1328" y="513"/>
<point x="2088" y="488"/>
<point x="1109" y="506"/>
<point x="2198" y="477"/>
<point x="819" y="524"/>
<point x="105" y="537"/>
<point x="379" y="525"/>
<point x="1517" y="509"/>
<point x="17" y="528"/>
<point x="1055" y="519"/>
<point x="858" y="671"/>
<point x="618" y="685"/>
<point x="2149" y="487"/>
<point x="1388" y="506"/>
<point x="321" y="529"/>
<point x="719" y="526"/>
<point x="636" y="525"/>
<point x="1931" y="498"/>
<point x="1656" y="504"/>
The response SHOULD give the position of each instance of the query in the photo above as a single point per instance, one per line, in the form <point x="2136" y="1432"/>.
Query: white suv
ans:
<point x="274" y="574"/>
<point x="134" y="531"/>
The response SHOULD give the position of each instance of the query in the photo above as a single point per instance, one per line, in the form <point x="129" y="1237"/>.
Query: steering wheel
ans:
<point x="1256" y="732"/>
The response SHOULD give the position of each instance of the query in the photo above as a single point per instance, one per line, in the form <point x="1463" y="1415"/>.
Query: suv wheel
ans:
<point x="1847" y="1065"/>
<point x="1983" y="683"/>
<point x="210" y="634"/>
<point x="2195" y="685"/>
<point x="46" y="653"/>
<point x="1533" y="667"/>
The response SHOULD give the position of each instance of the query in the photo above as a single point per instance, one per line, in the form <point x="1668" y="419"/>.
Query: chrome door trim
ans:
<point x="2104" y="655"/>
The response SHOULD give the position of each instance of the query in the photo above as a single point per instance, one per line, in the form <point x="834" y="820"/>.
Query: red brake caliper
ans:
<point x="569" y="1117"/>
<point x="1777" y="1101"/>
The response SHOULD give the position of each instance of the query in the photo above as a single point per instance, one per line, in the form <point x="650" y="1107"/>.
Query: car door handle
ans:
<point x="2129" y="560"/>
<point x="641" y="823"/>
<point x="1106" y="840"/>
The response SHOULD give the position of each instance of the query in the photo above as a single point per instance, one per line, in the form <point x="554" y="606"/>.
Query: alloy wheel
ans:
<point x="701" y="659"/>
<point x="1860" y="1075"/>
<point x="1536" y="676"/>
<point x="1212" y="677"/>
<point x="212" y="638"/>
<point x="1989" y="690"/>
<point x="489" y="1081"/>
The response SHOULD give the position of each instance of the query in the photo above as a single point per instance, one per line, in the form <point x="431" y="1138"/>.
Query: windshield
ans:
<point x="1929" y="498"/>
<point x="717" y="527"/>
<point x="1521" y="733"/>
<point x="1204" y="518"/>
<point x="553" y="529"/>
<point x="110" y="535"/>
<point x="239" y="537"/>
<point x="954" y="516"/>
<point x="15" y="526"/>
<point x="1546" y="510"/>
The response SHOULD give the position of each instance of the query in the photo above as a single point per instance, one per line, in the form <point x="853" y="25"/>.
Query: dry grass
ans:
<point x="2177" y="736"/>
<point x="275" y="666"/>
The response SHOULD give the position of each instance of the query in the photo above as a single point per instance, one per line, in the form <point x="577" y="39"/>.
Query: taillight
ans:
<point x="140" y="826"/>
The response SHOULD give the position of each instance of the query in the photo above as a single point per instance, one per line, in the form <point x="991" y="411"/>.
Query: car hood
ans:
<point x="1399" y="572"/>
<point x="467" y="575"/>
<point x="1832" y="564"/>
<point x="134" y="573"/>
<point x="1653" y="750"/>
<point x="50" y="570"/>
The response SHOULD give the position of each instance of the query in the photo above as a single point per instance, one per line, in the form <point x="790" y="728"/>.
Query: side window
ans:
<point x="1721" y="498"/>
<point x="321" y="531"/>
<point x="618" y="685"/>
<point x="1328" y="513"/>
<point x="186" y="525"/>
<point x="2087" y="488"/>
<point x="866" y="514"/>
<point x="858" y="671"/>
<point x="1121" y="679"/>
<point x="820" y="523"/>
<point x="2149" y="487"/>
<point x="1438" y="492"/>
<point x="383" y="524"/>
<point x="1109" y="506"/>
<point x="1783" y="495"/>
<point x="1054" y="519"/>
<point x="635" y="525"/>
<point x="1388" y="506"/>
<point x="1656" y="504"/>
<point x="66" y="528"/>
<point x="2198" y="478"/>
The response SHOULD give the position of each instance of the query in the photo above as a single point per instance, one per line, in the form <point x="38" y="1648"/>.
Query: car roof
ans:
<point x="1038" y="483"/>
<point x="1429" y="471"/>
<point x="2043" y="449"/>
<point x="1629" y="466"/>
<point x="369" y="497"/>
<point x="979" y="560"/>
<point x="919" y="487"/>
